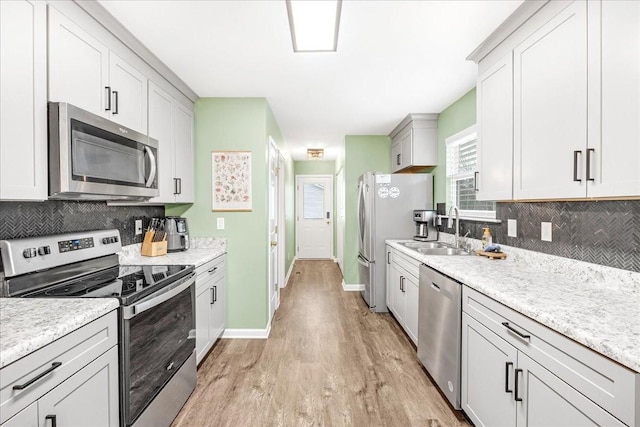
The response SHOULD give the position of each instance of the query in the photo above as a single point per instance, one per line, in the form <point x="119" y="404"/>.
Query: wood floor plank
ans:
<point x="327" y="362"/>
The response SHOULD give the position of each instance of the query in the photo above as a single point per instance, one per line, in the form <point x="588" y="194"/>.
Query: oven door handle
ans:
<point x="158" y="298"/>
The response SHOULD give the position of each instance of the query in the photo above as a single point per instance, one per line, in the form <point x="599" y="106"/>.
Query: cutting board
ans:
<point x="492" y="255"/>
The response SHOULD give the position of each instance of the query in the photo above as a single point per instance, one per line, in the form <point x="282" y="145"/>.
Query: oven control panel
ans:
<point x="29" y="254"/>
<point x="75" y="244"/>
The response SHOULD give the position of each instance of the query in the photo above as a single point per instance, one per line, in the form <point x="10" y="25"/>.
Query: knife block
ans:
<point x="151" y="248"/>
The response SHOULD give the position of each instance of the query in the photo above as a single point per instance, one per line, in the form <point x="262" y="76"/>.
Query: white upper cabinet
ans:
<point x="550" y="108"/>
<point x="85" y="73"/>
<point x="495" y="131"/>
<point x="576" y="102"/>
<point x="128" y="94"/>
<point x="23" y="104"/>
<point x="171" y="123"/>
<point x="414" y="142"/>
<point x="78" y="66"/>
<point x="613" y="153"/>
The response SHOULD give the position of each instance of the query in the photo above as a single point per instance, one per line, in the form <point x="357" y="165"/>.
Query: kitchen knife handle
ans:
<point x="54" y="366"/>
<point x="516" y="396"/>
<point x="589" y="151"/>
<point x="575" y="165"/>
<point x="53" y="420"/>
<point x="506" y="377"/>
<point x="108" y="97"/>
<point x="515" y="331"/>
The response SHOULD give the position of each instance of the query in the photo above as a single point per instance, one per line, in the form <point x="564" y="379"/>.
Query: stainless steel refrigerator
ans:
<point x="385" y="211"/>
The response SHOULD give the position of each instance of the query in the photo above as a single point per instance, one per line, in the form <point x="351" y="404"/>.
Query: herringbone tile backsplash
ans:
<point x="27" y="219"/>
<point x="600" y="232"/>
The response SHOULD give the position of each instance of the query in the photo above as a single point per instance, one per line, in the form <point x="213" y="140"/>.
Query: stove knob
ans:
<point x="42" y="250"/>
<point x="115" y="239"/>
<point x="29" y="253"/>
<point x="47" y="250"/>
<point x="105" y="240"/>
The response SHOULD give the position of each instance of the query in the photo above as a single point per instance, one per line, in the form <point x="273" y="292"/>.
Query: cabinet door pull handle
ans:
<point x="213" y="297"/>
<point x="108" y="97"/>
<point x="575" y="165"/>
<point x="475" y="181"/>
<point x="179" y="185"/>
<point x="515" y="331"/>
<point x="589" y="151"/>
<point x="53" y="420"/>
<point x="54" y="365"/>
<point x="212" y="270"/>
<point x="115" y="102"/>
<point x="517" y="394"/>
<point x="215" y="294"/>
<point x="398" y="160"/>
<point x="389" y="258"/>
<point x="506" y="377"/>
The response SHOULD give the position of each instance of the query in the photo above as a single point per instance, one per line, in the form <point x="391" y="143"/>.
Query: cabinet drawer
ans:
<point x="605" y="382"/>
<point x="211" y="268"/>
<point x="410" y="265"/>
<point x="72" y="351"/>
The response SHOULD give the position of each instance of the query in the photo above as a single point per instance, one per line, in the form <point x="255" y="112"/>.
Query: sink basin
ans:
<point x="442" y="251"/>
<point x="425" y="245"/>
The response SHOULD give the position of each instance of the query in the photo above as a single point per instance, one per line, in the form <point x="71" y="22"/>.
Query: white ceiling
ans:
<point x="393" y="58"/>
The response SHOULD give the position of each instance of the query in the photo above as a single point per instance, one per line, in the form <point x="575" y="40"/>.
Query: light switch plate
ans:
<point x="545" y="231"/>
<point x="138" y="227"/>
<point x="512" y="228"/>
<point x="220" y="223"/>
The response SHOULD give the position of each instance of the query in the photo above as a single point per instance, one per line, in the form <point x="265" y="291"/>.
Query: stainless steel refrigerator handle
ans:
<point x="362" y="261"/>
<point x="152" y="174"/>
<point x="158" y="298"/>
<point x="360" y="213"/>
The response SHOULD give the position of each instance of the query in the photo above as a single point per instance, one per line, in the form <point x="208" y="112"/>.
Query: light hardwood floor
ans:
<point x="327" y="362"/>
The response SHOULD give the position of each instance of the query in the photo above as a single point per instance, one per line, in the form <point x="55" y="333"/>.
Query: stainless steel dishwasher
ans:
<point x="439" y="333"/>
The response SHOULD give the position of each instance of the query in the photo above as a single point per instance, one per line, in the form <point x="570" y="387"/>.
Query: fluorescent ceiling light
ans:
<point x="314" y="24"/>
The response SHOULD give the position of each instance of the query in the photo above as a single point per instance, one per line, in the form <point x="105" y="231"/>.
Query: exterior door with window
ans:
<point x="314" y="216"/>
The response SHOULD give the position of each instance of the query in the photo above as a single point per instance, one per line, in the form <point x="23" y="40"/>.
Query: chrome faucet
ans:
<point x="450" y="221"/>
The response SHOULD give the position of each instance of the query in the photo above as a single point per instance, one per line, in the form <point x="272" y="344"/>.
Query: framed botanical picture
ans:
<point x="231" y="176"/>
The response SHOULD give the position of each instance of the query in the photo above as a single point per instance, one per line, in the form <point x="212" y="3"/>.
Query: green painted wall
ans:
<point x="236" y="124"/>
<point x="314" y="167"/>
<point x="361" y="154"/>
<point x="456" y="117"/>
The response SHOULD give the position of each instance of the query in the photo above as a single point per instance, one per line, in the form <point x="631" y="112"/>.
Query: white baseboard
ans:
<point x="286" y="279"/>
<point x="352" y="288"/>
<point x="248" y="334"/>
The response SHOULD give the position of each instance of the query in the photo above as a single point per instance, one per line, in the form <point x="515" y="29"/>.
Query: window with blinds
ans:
<point x="462" y="155"/>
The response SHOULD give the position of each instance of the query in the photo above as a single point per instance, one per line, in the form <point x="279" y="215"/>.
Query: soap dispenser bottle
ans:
<point x="487" y="240"/>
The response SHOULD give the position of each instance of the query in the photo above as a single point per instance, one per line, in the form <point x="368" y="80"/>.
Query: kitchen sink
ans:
<point x="425" y="245"/>
<point x="443" y="251"/>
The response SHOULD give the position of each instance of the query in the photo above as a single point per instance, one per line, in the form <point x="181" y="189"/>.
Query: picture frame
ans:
<point x="231" y="181"/>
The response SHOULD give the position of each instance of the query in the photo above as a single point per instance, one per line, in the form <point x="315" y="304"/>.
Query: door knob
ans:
<point x="274" y="243"/>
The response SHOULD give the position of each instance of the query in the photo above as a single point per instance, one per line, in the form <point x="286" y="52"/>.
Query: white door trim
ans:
<point x="331" y="210"/>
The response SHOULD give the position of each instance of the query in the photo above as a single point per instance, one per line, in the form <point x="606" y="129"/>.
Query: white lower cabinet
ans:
<point x="516" y="372"/>
<point x="402" y="291"/>
<point x="210" y="305"/>
<point x="76" y="381"/>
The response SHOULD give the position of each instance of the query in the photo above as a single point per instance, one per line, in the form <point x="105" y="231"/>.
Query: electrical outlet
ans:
<point x="545" y="231"/>
<point x="512" y="228"/>
<point x="220" y="223"/>
<point x="138" y="227"/>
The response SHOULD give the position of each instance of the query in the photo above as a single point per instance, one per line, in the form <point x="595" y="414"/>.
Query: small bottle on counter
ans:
<point x="487" y="240"/>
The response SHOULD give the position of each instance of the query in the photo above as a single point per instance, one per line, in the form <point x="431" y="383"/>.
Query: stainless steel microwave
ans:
<point x="93" y="158"/>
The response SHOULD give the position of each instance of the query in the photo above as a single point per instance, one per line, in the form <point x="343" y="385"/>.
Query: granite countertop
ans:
<point x="201" y="251"/>
<point x="27" y="324"/>
<point x="594" y="305"/>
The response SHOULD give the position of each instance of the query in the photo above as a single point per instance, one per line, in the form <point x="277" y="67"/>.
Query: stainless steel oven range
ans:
<point x="156" y="315"/>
